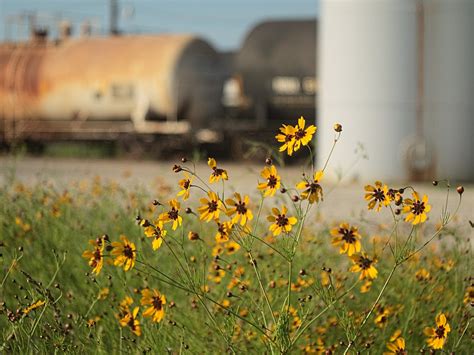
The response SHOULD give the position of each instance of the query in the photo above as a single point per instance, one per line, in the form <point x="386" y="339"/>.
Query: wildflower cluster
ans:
<point x="206" y="267"/>
<point x="231" y="229"/>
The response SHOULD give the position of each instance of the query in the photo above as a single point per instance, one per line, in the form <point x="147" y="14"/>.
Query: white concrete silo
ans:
<point x="368" y="81"/>
<point x="448" y="104"/>
<point x="380" y="58"/>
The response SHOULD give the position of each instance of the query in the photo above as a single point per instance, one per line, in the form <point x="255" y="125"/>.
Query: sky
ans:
<point x="223" y="22"/>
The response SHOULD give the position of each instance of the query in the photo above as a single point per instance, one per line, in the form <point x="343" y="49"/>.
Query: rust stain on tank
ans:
<point x="20" y="69"/>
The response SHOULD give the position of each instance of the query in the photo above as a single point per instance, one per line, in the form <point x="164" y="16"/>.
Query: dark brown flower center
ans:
<point x="173" y="214"/>
<point x="281" y="220"/>
<point x="212" y="206"/>
<point x="365" y="263"/>
<point x="313" y="187"/>
<point x="128" y="252"/>
<point x="418" y="207"/>
<point x="288" y="138"/>
<point x="379" y="195"/>
<point x="300" y="134"/>
<point x="217" y="172"/>
<point x="156" y="302"/>
<point x="347" y="235"/>
<point x="440" y="332"/>
<point x="186" y="184"/>
<point x="241" y="208"/>
<point x="272" y="181"/>
<point x="221" y="228"/>
<point x="97" y="254"/>
<point x="131" y="322"/>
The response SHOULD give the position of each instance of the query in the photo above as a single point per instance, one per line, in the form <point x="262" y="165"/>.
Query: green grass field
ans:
<point x="303" y="290"/>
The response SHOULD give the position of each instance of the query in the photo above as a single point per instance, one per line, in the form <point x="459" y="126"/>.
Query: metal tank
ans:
<point x="449" y="87"/>
<point x="162" y="83"/>
<point x="368" y="83"/>
<point x="276" y="69"/>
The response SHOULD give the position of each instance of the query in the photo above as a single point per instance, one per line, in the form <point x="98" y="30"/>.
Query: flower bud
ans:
<point x="177" y="168"/>
<point x="338" y="127"/>
<point x="184" y="160"/>
<point x="268" y="161"/>
<point x="460" y="190"/>
<point x="435" y="183"/>
<point x="193" y="235"/>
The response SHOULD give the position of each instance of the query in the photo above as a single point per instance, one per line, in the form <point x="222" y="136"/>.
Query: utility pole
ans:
<point x="114" y="16"/>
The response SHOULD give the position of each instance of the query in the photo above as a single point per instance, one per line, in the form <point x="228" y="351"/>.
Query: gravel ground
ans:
<point x="342" y="201"/>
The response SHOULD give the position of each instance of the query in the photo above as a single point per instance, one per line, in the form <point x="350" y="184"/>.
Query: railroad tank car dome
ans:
<point x="277" y="48"/>
<point x="120" y="78"/>
<point x="277" y="68"/>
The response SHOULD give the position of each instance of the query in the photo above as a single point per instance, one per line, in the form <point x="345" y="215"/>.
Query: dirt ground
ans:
<point x="342" y="201"/>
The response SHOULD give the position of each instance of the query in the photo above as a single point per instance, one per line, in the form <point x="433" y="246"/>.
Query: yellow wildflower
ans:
<point x="286" y="137"/>
<point x="416" y="208"/>
<point x="437" y="336"/>
<point x="217" y="173"/>
<point x="185" y="185"/>
<point x="281" y="222"/>
<point x="377" y="196"/>
<point x="172" y="215"/>
<point x="302" y="135"/>
<point x="33" y="306"/>
<point x="272" y="183"/>
<point x="347" y="237"/>
<point x="156" y="302"/>
<point x="239" y="209"/>
<point x="130" y="319"/>
<point x="125" y="253"/>
<point x="364" y="265"/>
<point x="211" y="208"/>
<point x="312" y="190"/>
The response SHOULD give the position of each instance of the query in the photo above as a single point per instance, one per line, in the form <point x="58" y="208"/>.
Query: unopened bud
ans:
<point x="184" y="160"/>
<point x="156" y="203"/>
<point x="268" y="161"/>
<point x="435" y="183"/>
<point x="295" y="198"/>
<point x="193" y="235"/>
<point x="188" y="210"/>
<point x="177" y="168"/>
<point x="283" y="190"/>
<point x="338" y="127"/>
<point x="460" y="190"/>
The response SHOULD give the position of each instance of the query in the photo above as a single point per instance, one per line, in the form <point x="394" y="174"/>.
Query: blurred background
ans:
<point x="158" y="79"/>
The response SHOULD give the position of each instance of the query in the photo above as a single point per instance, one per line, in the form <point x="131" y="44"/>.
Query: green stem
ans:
<point x="315" y="318"/>
<point x="372" y="308"/>
<point x="265" y="295"/>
